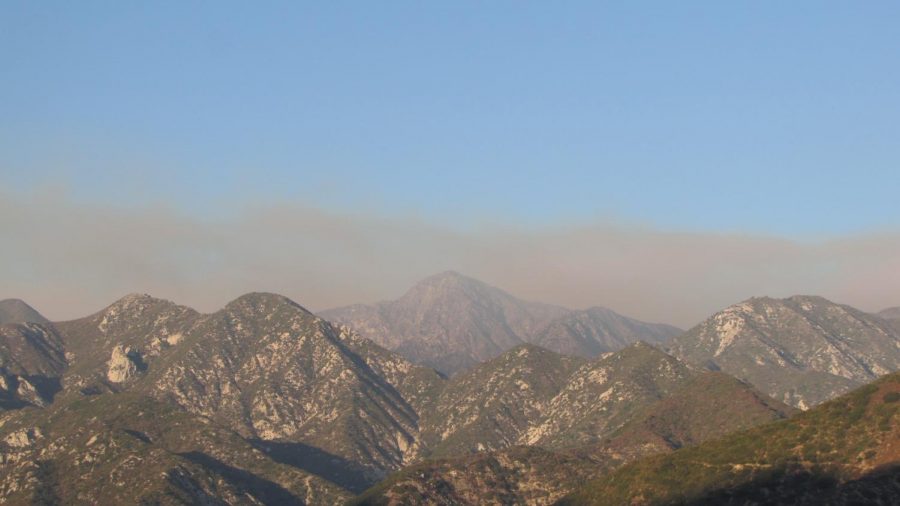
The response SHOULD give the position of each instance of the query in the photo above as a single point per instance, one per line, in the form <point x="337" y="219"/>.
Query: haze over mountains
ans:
<point x="449" y="253"/>
<point x="451" y="322"/>
<point x="263" y="401"/>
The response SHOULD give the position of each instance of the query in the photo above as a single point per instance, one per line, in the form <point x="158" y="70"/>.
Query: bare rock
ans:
<point x="123" y="364"/>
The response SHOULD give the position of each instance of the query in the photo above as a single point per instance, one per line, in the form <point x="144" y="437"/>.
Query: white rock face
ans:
<point x="29" y="393"/>
<point x="22" y="438"/>
<point x="174" y="339"/>
<point x="122" y="366"/>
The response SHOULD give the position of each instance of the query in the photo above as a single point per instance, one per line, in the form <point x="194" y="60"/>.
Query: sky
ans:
<point x="664" y="159"/>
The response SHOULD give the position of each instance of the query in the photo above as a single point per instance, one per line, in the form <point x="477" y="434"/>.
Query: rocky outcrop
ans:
<point x="22" y="437"/>
<point x="32" y="361"/>
<point x="124" y="364"/>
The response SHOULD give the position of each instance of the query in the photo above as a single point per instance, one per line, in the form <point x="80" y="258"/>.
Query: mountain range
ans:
<point x="147" y="401"/>
<point x="451" y="322"/>
<point x="263" y="399"/>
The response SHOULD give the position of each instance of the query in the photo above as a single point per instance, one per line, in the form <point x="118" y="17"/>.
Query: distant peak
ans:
<point x="638" y="355"/>
<point x="810" y="299"/>
<point x="263" y="300"/>
<point x="758" y="298"/>
<point x="750" y="305"/>
<point x="600" y="310"/>
<point x="18" y="311"/>
<point x="131" y="297"/>
<point x="525" y="352"/>
<point x="445" y="276"/>
<point x="448" y="282"/>
<point x="135" y="299"/>
<point x="641" y="348"/>
<point x="134" y="303"/>
<point x="449" y="273"/>
<point x="815" y="299"/>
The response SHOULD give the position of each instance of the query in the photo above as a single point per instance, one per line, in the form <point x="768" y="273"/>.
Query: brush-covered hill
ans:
<point x="633" y="403"/>
<point x="846" y="451"/>
<point x="802" y="350"/>
<point x="132" y="449"/>
<point x="494" y="404"/>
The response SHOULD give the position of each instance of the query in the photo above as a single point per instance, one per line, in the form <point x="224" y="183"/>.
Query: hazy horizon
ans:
<point x="325" y="259"/>
<point x="663" y="160"/>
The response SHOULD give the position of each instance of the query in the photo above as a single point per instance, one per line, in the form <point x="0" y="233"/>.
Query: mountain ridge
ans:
<point x="802" y="349"/>
<point x="327" y="413"/>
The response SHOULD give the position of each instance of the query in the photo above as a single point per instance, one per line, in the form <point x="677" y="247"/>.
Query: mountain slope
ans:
<point x="891" y="313"/>
<point x="32" y="356"/>
<point x="705" y="406"/>
<point x="517" y="475"/>
<point x="846" y="451"/>
<point x="892" y="316"/>
<point x="32" y="360"/>
<point x="277" y="372"/>
<point x="493" y="404"/>
<point x="601" y="396"/>
<point x="17" y="311"/>
<point x="128" y="449"/>
<point x="802" y="350"/>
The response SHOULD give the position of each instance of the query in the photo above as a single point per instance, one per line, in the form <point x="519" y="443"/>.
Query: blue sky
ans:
<point x="774" y="118"/>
